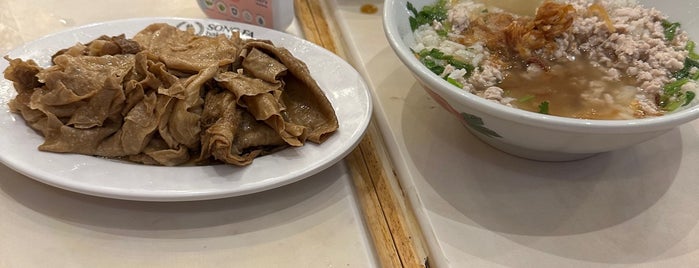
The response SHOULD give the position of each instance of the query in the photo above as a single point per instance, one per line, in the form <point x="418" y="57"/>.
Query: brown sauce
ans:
<point x="369" y="9"/>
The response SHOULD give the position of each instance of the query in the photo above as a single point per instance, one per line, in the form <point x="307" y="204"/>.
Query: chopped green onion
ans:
<point x="434" y="53"/>
<point x="413" y="20"/>
<point x="447" y="26"/>
<point x="673" y="105"/>
<point x="428" y="14"/>
<point x="544" y="107"/>
<point x="673" y="97"/>
<point x="686" y="70"/>
<point x="461" y="65"/>
<point x="454" y="82"/>
<point x="526" y="98"/>
<point x="674" y="87"/>
<point x="690" y="47"/>
<point x="431" y="58"/>
<point x="432" y="65"/>
<point x="689" y="96"/>
<point x="670" y="29"/>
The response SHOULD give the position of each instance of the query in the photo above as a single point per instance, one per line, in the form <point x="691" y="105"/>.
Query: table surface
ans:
<point x="315" y="222"/>
<point x="477" y="207"/>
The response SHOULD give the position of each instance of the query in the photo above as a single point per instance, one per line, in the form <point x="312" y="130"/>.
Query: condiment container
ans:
<point x="275" y="14"/>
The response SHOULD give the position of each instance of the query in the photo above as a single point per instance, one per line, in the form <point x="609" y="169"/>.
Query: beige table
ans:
<point x="313" y="223"/>
<point x="476" y="206"/>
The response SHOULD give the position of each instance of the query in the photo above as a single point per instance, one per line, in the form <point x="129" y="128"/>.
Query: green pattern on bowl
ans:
<point x="477" y="124"/>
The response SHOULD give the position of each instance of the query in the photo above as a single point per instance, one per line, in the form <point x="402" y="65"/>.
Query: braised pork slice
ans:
<point x="169" y="97"/>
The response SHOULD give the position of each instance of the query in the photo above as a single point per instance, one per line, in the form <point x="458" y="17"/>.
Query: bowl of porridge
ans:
<point x="553" y="80"/>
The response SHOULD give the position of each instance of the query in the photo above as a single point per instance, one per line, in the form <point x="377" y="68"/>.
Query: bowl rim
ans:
<point x="519" y="116"/>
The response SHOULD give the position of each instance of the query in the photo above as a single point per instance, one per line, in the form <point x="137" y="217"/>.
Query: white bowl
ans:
<point x="534" y="135"/>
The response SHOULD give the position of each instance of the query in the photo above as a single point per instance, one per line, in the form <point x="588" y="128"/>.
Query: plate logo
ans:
<point x="196" y="26"/>
<point x="214" y="29"/>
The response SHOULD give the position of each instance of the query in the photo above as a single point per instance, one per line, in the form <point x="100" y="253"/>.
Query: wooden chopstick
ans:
<point x="397" y="239"/>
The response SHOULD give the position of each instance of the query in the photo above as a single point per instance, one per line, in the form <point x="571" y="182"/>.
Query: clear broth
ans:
<point x="572" y="89"/>
<point x="520" y="7"/>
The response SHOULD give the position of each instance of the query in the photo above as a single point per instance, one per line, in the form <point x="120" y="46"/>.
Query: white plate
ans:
<point x="341" y="83"/>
